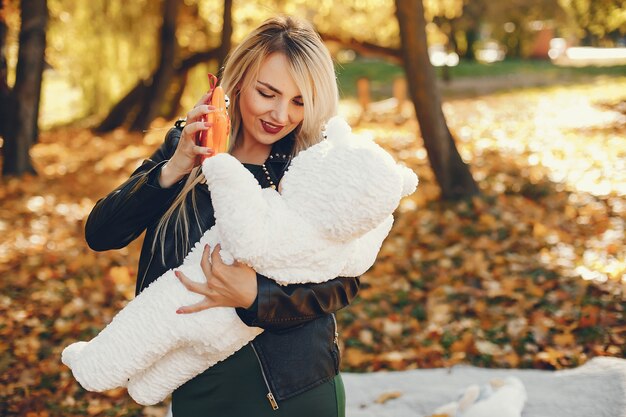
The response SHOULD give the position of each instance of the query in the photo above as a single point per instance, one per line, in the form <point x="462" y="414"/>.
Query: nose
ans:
<point x="280" y="112"/>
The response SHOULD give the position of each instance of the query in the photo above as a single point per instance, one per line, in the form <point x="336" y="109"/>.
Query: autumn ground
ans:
<point x="530" y="274"/>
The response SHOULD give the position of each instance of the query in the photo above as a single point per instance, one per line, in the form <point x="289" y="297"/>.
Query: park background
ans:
<point x="510" y="254"/>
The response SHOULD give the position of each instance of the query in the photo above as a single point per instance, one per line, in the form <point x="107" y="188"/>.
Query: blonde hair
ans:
<point x="311" y="67"/>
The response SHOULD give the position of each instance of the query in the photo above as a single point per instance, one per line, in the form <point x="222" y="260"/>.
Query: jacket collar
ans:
<point x="281" y="150"/>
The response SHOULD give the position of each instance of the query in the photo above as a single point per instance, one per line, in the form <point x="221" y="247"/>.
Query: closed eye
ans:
<point x="264" y="94"/>
<point x="295" y="101"/>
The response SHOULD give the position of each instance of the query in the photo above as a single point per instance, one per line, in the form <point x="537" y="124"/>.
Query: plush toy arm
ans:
<point x="137" y="336"/>
<point x="174" y="369"/>
<point x="225" y="334"/>
<point x="305" y="257"/>
<point x="143" y="331"/>
<point x="366" y="249"/>
<point x="239" y="203"/>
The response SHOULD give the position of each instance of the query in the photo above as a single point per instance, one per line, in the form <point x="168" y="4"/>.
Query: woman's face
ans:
<point x="272" y="106"/>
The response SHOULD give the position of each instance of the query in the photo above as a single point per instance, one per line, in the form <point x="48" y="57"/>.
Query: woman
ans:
<point x="282" y="87"/>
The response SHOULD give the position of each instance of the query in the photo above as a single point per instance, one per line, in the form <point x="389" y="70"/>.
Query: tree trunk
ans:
<point x="4" y="86"/>
<point x="174" y="104"/>
<point x="471" y="35"/>
<point x="131" y="102"/>
<point x="452" y="174"/>
<point x="365" y="48"/>
<point x="24" y="98"/>
<point x="125" y="109"/>
<point x="227" y="32"/>
<point x="454" y="45"/>
<point x="159" y="82"/>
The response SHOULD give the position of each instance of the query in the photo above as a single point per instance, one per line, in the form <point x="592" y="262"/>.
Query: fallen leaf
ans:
<point x="386" y="396"/>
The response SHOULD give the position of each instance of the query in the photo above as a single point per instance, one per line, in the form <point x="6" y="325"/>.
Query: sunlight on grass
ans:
<point x="567" y="133"/>
<point x="565" y="141"/>
<point x="561" y="129"/>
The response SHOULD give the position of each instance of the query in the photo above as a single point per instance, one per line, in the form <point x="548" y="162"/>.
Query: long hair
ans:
<point x="311" y="67"/>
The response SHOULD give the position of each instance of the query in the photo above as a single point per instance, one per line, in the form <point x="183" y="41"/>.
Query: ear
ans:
<point x="409" y="180"/>
<point x="469" y="397"/>
<point x="337" y="129"/>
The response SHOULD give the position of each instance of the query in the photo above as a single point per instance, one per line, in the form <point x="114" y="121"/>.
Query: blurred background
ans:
<point x="511" y="253"/>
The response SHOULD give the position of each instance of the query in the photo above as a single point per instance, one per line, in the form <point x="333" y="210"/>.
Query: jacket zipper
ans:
<point x="269" y="395"/>
<point x="336" y="342"/>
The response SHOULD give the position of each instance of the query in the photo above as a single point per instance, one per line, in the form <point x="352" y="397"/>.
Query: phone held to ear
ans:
<point x="217" y="136"/>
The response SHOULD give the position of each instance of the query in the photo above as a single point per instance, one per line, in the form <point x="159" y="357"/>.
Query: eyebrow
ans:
<point x="274" y="89"/>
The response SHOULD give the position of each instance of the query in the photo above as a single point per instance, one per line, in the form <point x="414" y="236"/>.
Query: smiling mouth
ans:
<point x="270" y="128"/>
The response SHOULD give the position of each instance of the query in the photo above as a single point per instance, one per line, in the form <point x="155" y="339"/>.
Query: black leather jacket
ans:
<point x="298" y="350"/>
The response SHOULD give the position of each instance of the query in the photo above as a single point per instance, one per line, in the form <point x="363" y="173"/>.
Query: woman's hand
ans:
<point x="226" y="285"/>
<point x="185" y="156"/>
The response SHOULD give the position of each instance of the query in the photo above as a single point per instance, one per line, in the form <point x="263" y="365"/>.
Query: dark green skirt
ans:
<point x="235" y="387"/>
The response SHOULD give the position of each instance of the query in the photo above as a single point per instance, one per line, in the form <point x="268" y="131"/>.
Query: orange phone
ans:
<point x="217" y="136"/>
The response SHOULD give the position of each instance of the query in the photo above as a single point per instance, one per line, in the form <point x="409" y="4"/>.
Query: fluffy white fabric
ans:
<point x="500" y="398"/>
<point x="597" y="388"/>
<point x="332" y="214"/>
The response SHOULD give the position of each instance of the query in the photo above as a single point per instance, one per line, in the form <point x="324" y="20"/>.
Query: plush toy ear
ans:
<point x="409" y="180"/>
<point x="337" y="129"/>
<point x="469" y="397"/>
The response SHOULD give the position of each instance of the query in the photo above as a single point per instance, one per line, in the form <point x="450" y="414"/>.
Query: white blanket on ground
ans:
<point x="596" y="389"/>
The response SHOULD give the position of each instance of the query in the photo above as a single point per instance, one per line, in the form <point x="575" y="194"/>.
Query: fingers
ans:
<point x="202" y="150"/>
<point x="205" y="264"/>
<point x="191" y="285"/>
<point x="191" y="129"/>
<point x="216" y="262"/>
<point x="194" y="308"/>
<point x="215" y="256"/>
<point x="197" y="112"/>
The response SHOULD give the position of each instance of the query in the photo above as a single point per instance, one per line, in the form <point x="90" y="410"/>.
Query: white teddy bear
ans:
<point x="499" y="398"/>
<point x="330" y="218"/>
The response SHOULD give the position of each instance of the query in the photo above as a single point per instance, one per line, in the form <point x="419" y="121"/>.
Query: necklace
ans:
<point x="268" y="176"/>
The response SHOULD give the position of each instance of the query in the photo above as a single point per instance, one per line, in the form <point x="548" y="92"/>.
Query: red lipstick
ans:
<point x="270" y="128"/>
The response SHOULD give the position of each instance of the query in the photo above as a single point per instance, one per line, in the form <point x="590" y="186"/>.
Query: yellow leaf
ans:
<point x="487" y="220"/>
<point x="512" y="359"/>
<point x="464" y="344"/>
<point x="550" y="356"/>
<point x="355" y="357"/>
<point x="115" y="393"/>
<point x="386" y="396"/>
<point x="539" y="230"/>
<point x="96" y="407"/>
<point x="534" y="290"/>
<point x="120" y="275"/>
<point x="564" y="339"/>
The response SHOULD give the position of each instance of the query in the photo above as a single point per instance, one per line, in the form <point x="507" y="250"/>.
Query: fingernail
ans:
<point x="209" y="150"/>
<point x="208" y="124"/>
<point x="179" y="311"/>
<point x="177" y="274"/>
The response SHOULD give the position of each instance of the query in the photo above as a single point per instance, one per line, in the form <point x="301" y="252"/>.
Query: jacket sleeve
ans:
<point x="120" y="217"/>
<point x="279" y="307"/>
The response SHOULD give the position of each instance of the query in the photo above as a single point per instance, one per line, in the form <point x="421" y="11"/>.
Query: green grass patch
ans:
<point x="382" y="73"/>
